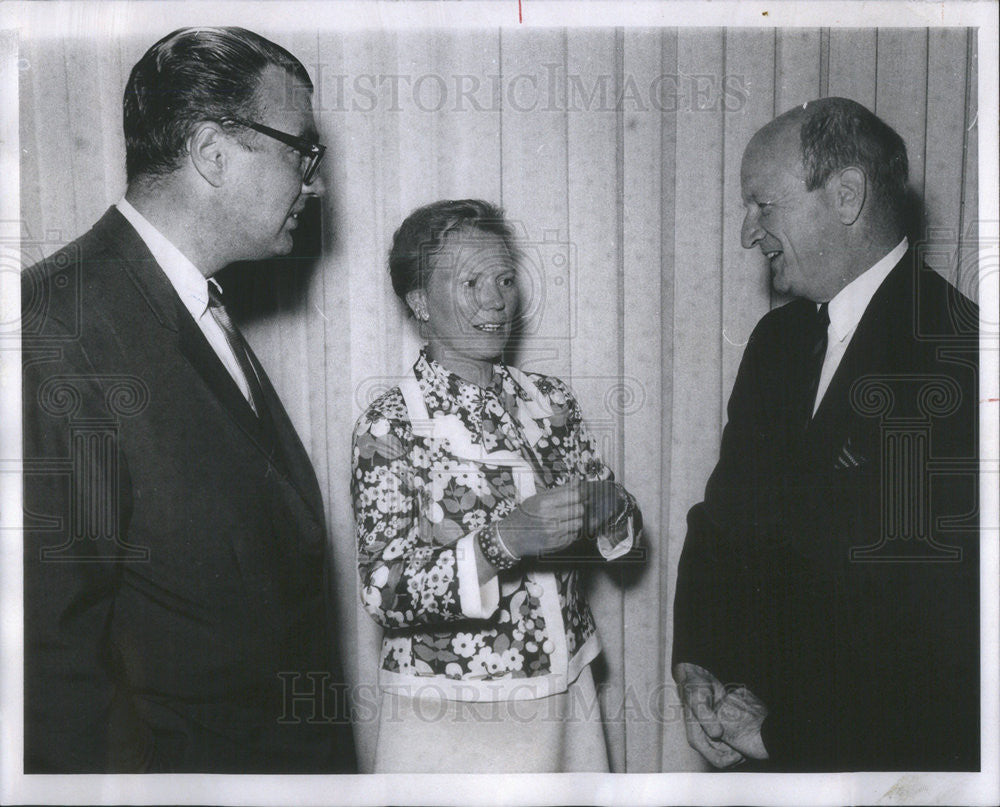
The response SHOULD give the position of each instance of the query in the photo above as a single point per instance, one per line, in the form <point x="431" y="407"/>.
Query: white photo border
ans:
<point x="20" y="20"/>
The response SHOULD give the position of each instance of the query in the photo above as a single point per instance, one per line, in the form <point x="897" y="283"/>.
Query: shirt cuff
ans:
<point x="610" y="551"/>
<point x="477" y="601"/>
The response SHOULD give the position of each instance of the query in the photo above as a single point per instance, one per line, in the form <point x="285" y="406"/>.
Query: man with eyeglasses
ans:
<point x="175" y="568"/>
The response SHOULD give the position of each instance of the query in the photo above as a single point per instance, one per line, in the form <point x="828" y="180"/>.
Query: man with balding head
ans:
<point x="826" y="610"/>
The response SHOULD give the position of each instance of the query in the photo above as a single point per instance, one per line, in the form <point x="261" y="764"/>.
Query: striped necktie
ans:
<point x="239" y="347"/>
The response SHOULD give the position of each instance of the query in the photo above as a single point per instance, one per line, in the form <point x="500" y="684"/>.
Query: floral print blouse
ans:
<point x="435" y="460"/>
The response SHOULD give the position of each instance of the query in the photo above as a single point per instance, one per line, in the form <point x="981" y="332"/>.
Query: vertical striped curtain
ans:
<point x="617" y="154"/>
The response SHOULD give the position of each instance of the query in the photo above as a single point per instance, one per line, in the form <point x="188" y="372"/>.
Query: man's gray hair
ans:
<point x="838" y="133"/>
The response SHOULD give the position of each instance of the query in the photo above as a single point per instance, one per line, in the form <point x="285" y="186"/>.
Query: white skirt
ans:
<point x="556" y="734"/>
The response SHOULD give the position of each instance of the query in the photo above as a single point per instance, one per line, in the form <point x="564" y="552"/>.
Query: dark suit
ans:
<point x="868" y="658"/>
<point x="175" y="544"/>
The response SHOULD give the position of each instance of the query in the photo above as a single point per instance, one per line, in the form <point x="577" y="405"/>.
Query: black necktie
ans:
<point x="814" y="360"/>
<point x="239" y="347"/>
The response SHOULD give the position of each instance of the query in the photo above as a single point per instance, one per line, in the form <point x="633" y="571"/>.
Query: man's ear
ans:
<point x="417" y="301"/>
<point x="849" y="188"/>
<point x="209" y="152"/>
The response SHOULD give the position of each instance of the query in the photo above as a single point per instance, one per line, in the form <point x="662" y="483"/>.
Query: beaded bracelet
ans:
<point x="494" y="549"/>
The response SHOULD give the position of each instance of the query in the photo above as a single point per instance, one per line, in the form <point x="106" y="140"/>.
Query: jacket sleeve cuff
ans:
<point x="477" y="601"/>
<point x="613" y="551"/>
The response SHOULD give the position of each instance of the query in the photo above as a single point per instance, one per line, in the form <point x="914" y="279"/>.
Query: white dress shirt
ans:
<point x="846" y="310"/>
<point x="191" y="286"/>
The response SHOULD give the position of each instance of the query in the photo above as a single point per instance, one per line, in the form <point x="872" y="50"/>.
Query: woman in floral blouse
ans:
<point x="468" y="478"/>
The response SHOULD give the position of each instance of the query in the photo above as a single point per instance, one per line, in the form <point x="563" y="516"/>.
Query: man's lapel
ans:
<point x="206" y="362"/>
<point x="142" y="270"/>
<point x="295" y="462"/>
<point x="868" y="353"/>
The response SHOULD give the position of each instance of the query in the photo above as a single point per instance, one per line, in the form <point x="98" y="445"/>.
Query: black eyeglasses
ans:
<point x="312" y="153"/>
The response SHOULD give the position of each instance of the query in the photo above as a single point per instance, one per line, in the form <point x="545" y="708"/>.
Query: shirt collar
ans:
<point x="190" y="284"/>
<point x="451" y="388"/>
<point x="849" y="304"/>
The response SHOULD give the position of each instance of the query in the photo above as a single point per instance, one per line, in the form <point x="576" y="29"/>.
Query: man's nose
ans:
<point x="751" y="233"/>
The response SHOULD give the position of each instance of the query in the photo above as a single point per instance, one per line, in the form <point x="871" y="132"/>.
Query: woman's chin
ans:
<point x="482" y="346"/>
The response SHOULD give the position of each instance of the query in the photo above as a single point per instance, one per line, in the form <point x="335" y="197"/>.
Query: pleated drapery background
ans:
<point x="617" y="153"/>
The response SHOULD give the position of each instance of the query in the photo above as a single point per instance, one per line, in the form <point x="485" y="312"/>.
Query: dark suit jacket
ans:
<point x="834" y="569"/>
<point x="175" y="549"/>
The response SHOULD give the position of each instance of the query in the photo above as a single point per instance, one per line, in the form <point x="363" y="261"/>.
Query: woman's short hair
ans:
<point x="194" y="75"/>
<point x="422" y="235"/>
